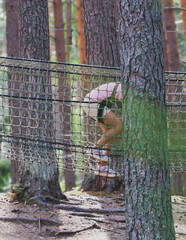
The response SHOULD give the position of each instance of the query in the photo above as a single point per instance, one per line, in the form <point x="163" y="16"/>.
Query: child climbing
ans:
<point x="102" y="104"/>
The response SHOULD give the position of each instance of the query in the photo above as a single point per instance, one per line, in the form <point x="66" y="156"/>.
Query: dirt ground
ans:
<point x="22" y="221"/>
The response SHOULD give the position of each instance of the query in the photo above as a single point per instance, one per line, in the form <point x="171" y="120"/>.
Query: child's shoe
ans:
<point x="98" y="155"/>
<point x="102" y="157"/>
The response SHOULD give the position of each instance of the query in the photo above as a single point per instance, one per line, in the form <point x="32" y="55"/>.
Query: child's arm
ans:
<point x="113" y="127"/>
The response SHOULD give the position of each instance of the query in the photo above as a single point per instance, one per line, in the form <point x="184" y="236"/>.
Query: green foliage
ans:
<point x="77" y="124"/>
<point x="4" y="124"/>
<point x="19" y="193"/>
<point x="2" y="27"/>
<point x="5" y="165"/>
<point x="4" y="174"/>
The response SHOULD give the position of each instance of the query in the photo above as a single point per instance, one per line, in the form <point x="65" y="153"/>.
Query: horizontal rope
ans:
<point x="69" y="101"/>
<point x="44" y="99"/>
<point x="2" y="136"/>
<point x="59" y="63"/>
<point x="71" y="64"/>
<point x="45" y="144"/>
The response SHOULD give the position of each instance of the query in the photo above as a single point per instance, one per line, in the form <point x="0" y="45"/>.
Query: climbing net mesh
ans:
<point x="42" y="115"/>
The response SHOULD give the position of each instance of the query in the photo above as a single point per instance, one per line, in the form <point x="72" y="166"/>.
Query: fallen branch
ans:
<point x="80" y="209"/>
<point x="117" y="220"/>
<point x="53" y="233"/>
<point x="24" y="225"/>
<point x="121" y="228"/>
<point x="48" y="199"/>
<point x="89" y="210"/>
<point x="99" y="220"/>
<point x="80" y="214"/>
<point x="119" y="199"/>
<point x="44" y="221"/>
<point x="106" y="222"/>
<point x="111" y="230"/>
<point x="75" y="200"/>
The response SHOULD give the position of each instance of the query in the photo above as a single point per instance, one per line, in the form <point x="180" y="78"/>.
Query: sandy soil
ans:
<point x="22" y="221"/>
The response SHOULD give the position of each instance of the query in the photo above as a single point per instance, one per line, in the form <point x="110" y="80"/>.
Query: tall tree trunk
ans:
<point x="171" y="49"/>
<point x="13" y="51"/>
<point x="117" y="20"/>
<point x="147" y="175"/>
<point x="101" y="49"/>
<point x="81" y="36"/>
<point x="100" y="33"/>
<point x="172" y="63"/>
<point x="69" y="22"/>
<point x="183" y="5"/>
<point x="38" y="167"/>
<point x="12" y="28"/>
<point x="63" y="112"/>
<point x="69" y="29"/>
<point x="81" y="46"/>
<point x="59" y="30"/>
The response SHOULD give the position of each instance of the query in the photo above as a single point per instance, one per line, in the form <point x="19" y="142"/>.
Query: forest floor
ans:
<point x="86" y="216"/>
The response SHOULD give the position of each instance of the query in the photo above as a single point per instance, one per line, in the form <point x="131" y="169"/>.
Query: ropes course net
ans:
<point x="44" y="115"/>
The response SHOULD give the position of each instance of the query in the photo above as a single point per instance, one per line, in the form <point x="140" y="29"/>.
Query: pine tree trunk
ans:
<point x="69" y="22"/>
<point x="59" y="30"/>
<point x="38" y="167"/>
<point x="172" y="63"/>
<point x="81" y="36"/>
<point x="13" y="51"/>
<point x="171" y="52"/>
<point x="101" y="49"/>
<point x="100" y="33"/>
<point x="12" y="28"/>
<point x="147" y="176"/>
<point x="183" y="5"/>
<point x="81" y="44"/>
<point x="63" y="111"/>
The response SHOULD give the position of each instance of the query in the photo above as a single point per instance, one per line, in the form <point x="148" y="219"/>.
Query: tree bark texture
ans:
<point x="81" y="36"/>
<point x="13" y="51"/>
<point x="101" y="49"/>
<point x="172" y="63"/>
<point x="12" y="28"/>
<point x="183" y="5"/>
<point x="59" y="30"/>
<point x="38" y="167"/>
<point x="64" y="128"/>
<point x="69" y="22"/>
<point x="171" y="48"/>
<point x="147" y="176"/>
<point x="34" y="29"/>
<point x="100" y="33"/>
<point x="63" y="112"/>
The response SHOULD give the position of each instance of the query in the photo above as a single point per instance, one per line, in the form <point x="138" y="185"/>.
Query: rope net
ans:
<point x="47" y="114"/>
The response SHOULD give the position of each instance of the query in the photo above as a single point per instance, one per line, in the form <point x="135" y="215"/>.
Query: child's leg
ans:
<point x="108" y="145"/>
<point x="111" y="128"/>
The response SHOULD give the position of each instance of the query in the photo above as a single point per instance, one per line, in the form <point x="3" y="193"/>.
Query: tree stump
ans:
<point x="93" y="182"/>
